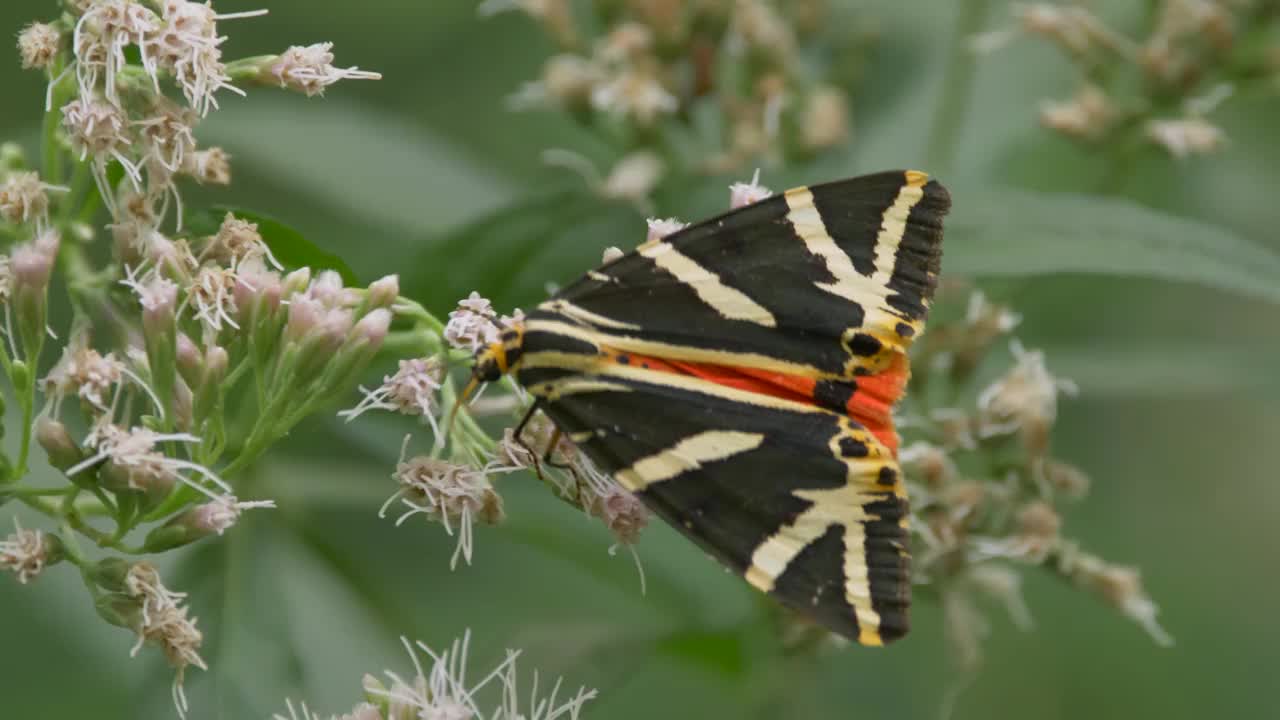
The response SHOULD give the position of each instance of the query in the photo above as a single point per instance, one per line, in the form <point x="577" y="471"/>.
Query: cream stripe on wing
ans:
<point x="604" y="370"/>
<point x="772" y="556"/>
<point x="867" y="291"/>
<point x="728" y="302"/>
<point x="583" y="315"/>
<point x="669" y="351"/>
<point x="841" y="506"/>
<point x="686" y="455"/>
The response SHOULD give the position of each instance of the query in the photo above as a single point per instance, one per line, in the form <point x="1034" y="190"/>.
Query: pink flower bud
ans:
<point x="297" y="281"/>
<point x="373" y="327"/>
<point x="383" y="292"/>
<point x="190" y="361"/>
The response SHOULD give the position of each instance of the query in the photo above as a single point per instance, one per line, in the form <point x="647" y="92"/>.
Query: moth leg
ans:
<point x="579" y="483"/>
<point x="518" y="435"/>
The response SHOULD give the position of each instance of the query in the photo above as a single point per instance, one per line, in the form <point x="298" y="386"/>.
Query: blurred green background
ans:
<point x="1176" y="422"/>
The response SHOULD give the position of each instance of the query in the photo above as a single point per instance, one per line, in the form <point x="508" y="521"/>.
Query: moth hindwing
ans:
<point x="739" y="376"/>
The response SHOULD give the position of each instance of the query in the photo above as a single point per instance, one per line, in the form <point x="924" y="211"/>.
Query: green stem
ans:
<point x="50" y="151"/>
<point x="65" y="510"/>
<point x="957" y="87"/>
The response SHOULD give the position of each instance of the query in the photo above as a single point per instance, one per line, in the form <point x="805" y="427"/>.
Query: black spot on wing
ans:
<point x="864" y="345"/>
<point x="834" y="394"/>
<point x="887" y="475"/>
<point x="850" y="448"/>
<point x="814" y="583"/>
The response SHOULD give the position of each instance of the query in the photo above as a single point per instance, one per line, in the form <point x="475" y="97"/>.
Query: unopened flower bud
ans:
<point x="825" y="123"/>
<point x="569" y="79"/>
<point x="189" y="359"/>
<point x="183" y="406"/>
<point x="1067" y="479"/>
<point x="216" y="361"/>
<point x="57" y="443"/>
<point x="1039" y="522"/>
<point x="372" y="328"/>
<point x="384" y="291"/>
<point x="305" y="314"/>
<point x="31" y="265"/>
<point x="634" y="177"/>
<point x="109" y="573"/>
<point x="610" y="254"/>
<point x="119" y="609"/>
<point x="297" y="281"/>
<point x="159" y="299"/>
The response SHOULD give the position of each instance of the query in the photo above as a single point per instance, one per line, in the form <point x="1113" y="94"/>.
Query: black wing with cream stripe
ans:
<point x="810" y="288"/>
<point x="801" y="501"/>
<point x="830" y="278"/>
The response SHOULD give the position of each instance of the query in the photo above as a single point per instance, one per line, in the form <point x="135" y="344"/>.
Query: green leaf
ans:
<point x="1161" y="369"/>
<point x="511" y="255"/>
<point x="719" y="650"/>
<point x="357" y="161"/>
<point x="287" y="245"/>
<point x="1008" y="232"/>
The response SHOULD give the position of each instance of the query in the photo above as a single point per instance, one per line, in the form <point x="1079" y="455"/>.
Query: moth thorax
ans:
<point x="499" y="358"/>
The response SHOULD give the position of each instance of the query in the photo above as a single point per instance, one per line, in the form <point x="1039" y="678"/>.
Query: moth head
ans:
<point x="499" y="358"/>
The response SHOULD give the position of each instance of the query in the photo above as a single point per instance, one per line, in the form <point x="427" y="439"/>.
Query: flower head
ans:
<point x="442" y="691"/>
<point x="38" y="45"/>
<point x="1026" y="398"/>
<point x="473" y="324"/>
<point x="448" y="493"/>
<point x="27" y="552"/>
<point x="310" y="69"/>
<point x="102" y="33"/>
<point x="133" y="455"/>
<point x="23" y="198"/>
<point x="86" y="373"/>
<point x="743" y="194"/>
<point x="164" y="623"/>
<point x="1186" y="136"/>
<point x="187" y="45"/>
<point x="660" y="228"/>
<point x="411" y="390"/>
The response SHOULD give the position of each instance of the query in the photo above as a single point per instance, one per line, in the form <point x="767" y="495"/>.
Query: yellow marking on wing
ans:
<point x="583" y="315"/>
<point x="686" y="353"/>
<point x="687" y="455"/>
<point x="915" y="178"/>
<point x="727" y="301"/>
<point x="604" y="369"/>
